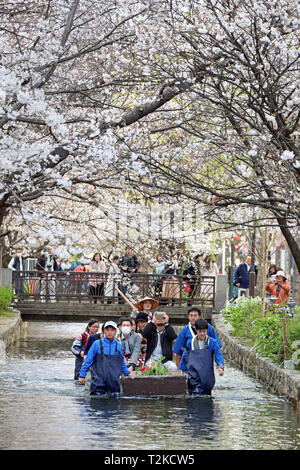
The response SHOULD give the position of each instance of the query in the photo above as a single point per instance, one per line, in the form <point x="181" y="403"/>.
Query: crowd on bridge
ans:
<point x="121" y="272"/>
<point x="137" y="342"/>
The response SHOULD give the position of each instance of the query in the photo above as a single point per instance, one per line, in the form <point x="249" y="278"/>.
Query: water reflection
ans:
<point x="201" y="417"/>
<point x="150" y="422"/>
<point x="54" y="412"/>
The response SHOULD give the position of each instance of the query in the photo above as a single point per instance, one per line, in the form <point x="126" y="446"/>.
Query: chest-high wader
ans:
<point x="106" y="372"/>
<point x="200" y="368"/>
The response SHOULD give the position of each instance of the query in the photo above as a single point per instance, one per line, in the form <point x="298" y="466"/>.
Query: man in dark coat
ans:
<point x="17" y="265"/>
<point x="129" y="265"/>
<point x="129" y="262"/>
<point x="47" y="263"/>
<point x="160" y="336"/>
<point x="241" y="276"/>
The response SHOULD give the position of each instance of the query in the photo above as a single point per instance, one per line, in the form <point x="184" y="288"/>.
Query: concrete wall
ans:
<point x="221" y="292"/>
<point x="282" y="382"/>
<point x="10" y="330"/>
<point x="5" y="277"/>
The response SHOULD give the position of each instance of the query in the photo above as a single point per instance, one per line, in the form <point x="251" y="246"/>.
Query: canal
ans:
<point x="42" y="408"/>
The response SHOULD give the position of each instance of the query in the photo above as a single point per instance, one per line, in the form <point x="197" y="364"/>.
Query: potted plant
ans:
<point x="155" y="380"/>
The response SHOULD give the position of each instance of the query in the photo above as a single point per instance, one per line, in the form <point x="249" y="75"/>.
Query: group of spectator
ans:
<point x="119" y="274"/>
<point x="276" y="286"/>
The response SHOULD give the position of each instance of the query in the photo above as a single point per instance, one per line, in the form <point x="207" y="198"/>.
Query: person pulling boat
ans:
<point x="107" y="358"/>
<point x="80" y="343"/>
<point x="198" y="360"/>
<point x="189" y="332"/>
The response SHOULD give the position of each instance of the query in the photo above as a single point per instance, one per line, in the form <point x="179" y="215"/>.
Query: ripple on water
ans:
<point x="51" y="411"/>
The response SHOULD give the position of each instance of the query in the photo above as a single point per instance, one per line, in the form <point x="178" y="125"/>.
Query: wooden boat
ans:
<point x="174" y="384"/>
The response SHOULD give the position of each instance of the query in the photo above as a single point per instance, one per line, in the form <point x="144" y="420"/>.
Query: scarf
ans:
<point x="195" y="343"/>
<point x="192" y="330"/>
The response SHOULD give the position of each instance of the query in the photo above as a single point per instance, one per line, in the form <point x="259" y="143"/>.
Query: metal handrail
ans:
<point x="92" y="286"/>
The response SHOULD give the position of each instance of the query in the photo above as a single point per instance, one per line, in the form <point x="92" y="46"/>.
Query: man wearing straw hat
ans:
<point x="147" y="305"/>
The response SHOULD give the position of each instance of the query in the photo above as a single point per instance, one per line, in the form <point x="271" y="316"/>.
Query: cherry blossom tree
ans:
<point x="231" y="142"/>
<point x="67" y="86"/>
<point x="178" y="99"/>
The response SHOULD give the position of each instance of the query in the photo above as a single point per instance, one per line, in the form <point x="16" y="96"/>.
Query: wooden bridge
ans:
<point x="70" y="296"/>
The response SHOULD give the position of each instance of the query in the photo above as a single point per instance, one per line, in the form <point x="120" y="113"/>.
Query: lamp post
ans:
<point x="231" y="269"/>
<point x="287" y="364"/>
<point x="291" y="305"/>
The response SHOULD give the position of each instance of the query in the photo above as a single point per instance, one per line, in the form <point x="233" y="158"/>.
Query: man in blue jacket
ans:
<point x="108" y="362"/>
<point x="189" y="332"/>
<point x="241" y="277"/>
<point x="198" y="360"/>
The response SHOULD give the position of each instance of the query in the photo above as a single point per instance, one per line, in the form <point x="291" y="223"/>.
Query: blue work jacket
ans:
<point x="185" y="335"/>
<point x="212" y="346"/>
<point x="109" y="347"/>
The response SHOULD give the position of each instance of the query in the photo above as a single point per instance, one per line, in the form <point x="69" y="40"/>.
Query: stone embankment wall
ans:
<point x="282" y="382"/>
<point x="10" y="330"/>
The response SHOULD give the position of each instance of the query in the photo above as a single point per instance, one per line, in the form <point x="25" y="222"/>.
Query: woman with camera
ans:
<point x="279" y="288"/>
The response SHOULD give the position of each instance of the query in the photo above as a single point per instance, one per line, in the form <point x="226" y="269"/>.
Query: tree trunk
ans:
<point x="291" y="241"/>
<point x="264" y="267"/>
<point x="296" y="281"/>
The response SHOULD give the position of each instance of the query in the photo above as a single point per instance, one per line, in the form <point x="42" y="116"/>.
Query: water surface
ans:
<point x="42" y="408"/>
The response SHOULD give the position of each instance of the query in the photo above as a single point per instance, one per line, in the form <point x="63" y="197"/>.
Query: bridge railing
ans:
<point x="82" y="286"/>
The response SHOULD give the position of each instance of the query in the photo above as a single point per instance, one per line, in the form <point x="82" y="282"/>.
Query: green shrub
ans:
<point x="6" y="297"/>
<point x="265" y="332"/>
<point x="241" y="314"/>
<point x="268" y="336"/>
<point x="293" y="334"/>
<point x="293" y="329"/>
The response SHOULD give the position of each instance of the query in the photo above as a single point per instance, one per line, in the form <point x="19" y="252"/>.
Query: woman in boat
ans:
<point x="107" y="358"/>
<point x="80" y="342"/>
<point x="131" y="343"/>
<point x="133" y="323"/>
<point x="92" y="338"/>
<point x="198" y="360"/>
